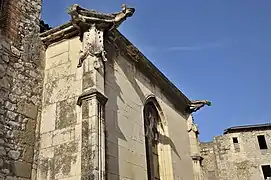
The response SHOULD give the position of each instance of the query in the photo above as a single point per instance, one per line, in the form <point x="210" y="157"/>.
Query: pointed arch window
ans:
<point x="151" y="120"/>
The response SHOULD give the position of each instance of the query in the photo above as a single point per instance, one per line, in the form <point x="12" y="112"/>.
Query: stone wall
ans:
<point x="60" y="127"/>
<point x="21" y="76"/>
<point x="209" y="165"/>
<point x="127" y="88"/>
<point x="234" y="162"/>
<point x="65" y="131"/>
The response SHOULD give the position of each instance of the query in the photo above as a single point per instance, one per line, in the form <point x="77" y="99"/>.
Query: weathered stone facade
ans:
<point x="21" y="78"/>
<point x="72" y="100"/>
<point x="236" y="154"/>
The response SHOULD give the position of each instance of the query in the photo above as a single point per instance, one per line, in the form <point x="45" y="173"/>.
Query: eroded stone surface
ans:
<point x="223" y="161"/>
<point x="61" y="89"/>
<point x="21" y="82"/>
<point x="66" y="113"/>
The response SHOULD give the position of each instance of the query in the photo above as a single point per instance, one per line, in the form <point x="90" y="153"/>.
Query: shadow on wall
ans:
<point x="131" y="76"/>
<point x="113" y="131"/>
<point x="114" y="135"/>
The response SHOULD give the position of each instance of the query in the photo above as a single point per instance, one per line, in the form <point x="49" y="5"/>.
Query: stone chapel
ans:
<point x="80" y="101"/>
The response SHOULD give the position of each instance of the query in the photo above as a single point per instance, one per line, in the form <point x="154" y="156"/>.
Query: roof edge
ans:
<point x="67" y="31"/>
<point x="247" y="127"/>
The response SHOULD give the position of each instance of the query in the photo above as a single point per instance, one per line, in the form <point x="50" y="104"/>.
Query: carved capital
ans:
<point x="91" y="93"/>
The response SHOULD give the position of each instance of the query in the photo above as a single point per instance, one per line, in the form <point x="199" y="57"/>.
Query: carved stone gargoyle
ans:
<point x="197" y="105"/>
<point x="84" y="19"/>
<point x="193" y="127"/>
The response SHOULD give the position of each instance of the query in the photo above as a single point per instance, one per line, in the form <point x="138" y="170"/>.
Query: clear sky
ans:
<point x="218" y="50"/>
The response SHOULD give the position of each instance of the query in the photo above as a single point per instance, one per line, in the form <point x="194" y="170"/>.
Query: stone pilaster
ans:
<point x="194" y="148"/>
<point x="93" y="135"/>
<point x="92" y="27"/>
<point x="92" y="101"/>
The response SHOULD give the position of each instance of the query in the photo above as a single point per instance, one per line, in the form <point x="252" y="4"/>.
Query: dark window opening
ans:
<point x="2" y="6"/>
<point x="266" y="171"/>
<point x="262" y="142"/>
<point x="236" y="144"/>
<point x="151" y="118"/>
<point x="235" y="140"/>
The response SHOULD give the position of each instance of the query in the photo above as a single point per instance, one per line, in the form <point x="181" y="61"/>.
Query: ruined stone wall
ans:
<point x="126" y="89"/>
<point x="60" y="128"/>
<point x="209" y="165"/>
<point x="243" y="162"/>
<point x="21" y="76"/>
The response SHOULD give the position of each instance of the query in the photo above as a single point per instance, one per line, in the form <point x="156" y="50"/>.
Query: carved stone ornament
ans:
<point x="193" y="127"/>
<point x="197" y="105"/>
<point x="91" y="26"/>
<point x="92" y="45"/>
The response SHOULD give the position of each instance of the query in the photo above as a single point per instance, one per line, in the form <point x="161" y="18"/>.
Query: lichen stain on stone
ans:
<point x="243" y="172"/>
<point x="65" y="155"/>
<point x="85" y="164"/>
<point x="85" y="109"/>
<point x="44" y="168"/>
<point x="88" y="80"/>
<point x="88" y="152"/>
<point x="28" y="154"/>
<point x="49" y="88"/>
<point x="66" y="113"/>
<point x="28" y="135"/>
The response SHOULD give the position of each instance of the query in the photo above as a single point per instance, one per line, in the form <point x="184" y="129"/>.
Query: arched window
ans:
<point x="151" y="120"/>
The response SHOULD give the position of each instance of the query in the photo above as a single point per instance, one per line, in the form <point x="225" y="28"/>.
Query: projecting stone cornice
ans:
<point x="112" y="36"/>
<point x="82" y="18"/>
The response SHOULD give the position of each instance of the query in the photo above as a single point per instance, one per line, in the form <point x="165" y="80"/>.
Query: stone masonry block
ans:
<point x="66" y="113"/>
<point x="88" y="80"/>
<point x="74" y="49"/>
<point x="45" y="163"/>
<point x="46" y="140"/>
<point x="28" y="109"/>
<point x="63" y="136"/>
<point x="22" y="169"/>
<point x="61" y="89"/>
<point x="66" y="158"/>
<point x="71" y="178"/>
<point x="57" y="72"/>
<point x="57" y="60"/>
<point x="57" y="49"/>
<point x="48" y="119"/>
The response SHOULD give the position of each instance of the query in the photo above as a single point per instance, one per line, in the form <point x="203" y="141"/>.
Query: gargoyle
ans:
<point x="197" y="105"/>
<point x="122" y="15"/>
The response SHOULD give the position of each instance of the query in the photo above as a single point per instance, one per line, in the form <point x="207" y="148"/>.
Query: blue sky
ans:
<point x="218" y="50"/>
